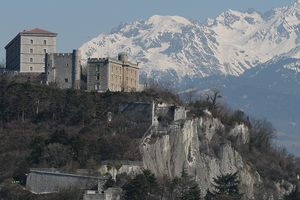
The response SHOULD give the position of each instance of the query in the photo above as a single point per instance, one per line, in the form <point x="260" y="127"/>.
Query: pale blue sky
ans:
<point x="77" y="21"/>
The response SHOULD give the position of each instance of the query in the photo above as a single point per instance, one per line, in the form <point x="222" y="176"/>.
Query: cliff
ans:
<point x="199" y="146"/>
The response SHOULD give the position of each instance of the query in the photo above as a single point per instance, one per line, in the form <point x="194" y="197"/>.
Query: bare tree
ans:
<point x="212" y="97"/>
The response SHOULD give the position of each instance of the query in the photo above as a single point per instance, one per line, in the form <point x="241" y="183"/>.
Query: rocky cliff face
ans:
<point x="197" y="146"/>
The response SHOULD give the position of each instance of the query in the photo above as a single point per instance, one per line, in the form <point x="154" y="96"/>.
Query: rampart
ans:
<point x="39" y="181"/>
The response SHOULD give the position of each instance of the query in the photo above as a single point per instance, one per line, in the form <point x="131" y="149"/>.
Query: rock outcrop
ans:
<point x="198" y="146"/>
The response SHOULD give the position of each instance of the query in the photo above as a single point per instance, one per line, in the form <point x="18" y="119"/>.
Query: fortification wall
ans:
<point x="94" y="197"/>
<point x="49" y="182"/>
<point x="127" y="167"/>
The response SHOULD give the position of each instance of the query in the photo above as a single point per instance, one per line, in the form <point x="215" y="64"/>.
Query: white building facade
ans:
<point x="26" y="52"/>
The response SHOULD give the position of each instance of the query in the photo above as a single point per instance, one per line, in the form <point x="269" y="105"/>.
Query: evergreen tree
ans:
<point x="142" y="186"/>
<point x="226" y="187"/>
<point x="185" y="187"/>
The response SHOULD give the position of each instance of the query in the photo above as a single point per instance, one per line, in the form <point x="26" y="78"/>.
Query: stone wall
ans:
<point x="164" y="114"/>
<point x="95" y="196"/>
<point x="114" y="168"/>
<point x="36" y="78"/>
<point x="48" y="182"/>
<point x="137" y="111"/>
<point x="64" y="69"/>
<point x="109" y="194"/>
<point x="13" y="54"/>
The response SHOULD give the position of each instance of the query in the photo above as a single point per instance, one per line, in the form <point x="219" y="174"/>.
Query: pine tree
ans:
<point x="226" y="187"/>
<point x="185" y="188"/>
<point x="142" y="186"/>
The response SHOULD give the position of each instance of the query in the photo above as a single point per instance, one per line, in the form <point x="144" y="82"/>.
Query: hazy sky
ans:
<point x="77" y="21"/>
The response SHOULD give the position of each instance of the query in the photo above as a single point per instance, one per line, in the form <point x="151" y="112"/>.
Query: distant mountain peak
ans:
<point x="175" y="48"/>
<point x="160" y="19"/>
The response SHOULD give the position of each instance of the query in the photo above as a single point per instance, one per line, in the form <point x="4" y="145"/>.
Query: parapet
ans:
<point x="96" y="60"/>
<point x="60" y="54"/>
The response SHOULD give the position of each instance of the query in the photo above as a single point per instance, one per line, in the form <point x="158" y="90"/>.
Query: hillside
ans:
<point x="48" y="127"/>
<point x="66" y="129"/>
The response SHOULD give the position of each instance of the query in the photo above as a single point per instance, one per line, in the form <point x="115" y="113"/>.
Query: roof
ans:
<point x="33" y="32"/>
<point x="37" y="31"/>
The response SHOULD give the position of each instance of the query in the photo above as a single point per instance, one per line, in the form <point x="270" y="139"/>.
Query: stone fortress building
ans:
<point x="26" y="52"/>
<point x="112" y="74"/>
<point x="63" y="69"/>
<point x="31" y="56"/>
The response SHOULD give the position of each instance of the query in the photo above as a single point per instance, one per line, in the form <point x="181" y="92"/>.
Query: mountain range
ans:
<point x="253" y="58"/>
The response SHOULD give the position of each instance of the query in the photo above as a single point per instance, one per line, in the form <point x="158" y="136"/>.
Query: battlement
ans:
<point x="62" y="54"/>
<point x="109" y="59"/>
<point x="92" y="60"/>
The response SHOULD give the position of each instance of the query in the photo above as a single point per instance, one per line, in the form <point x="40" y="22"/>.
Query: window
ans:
<point x="66" y="80"/>
<point x="97" y="68"/>
<point x="31" y="41"/>
<point x="45" y="50"/>
<point x="31" y="50"/>
<point x="97" y="86"/>
<point x="31" y="59"/>
<point x="67" y="64"/>
<point x="30" y="68"/>
<point x="98" y="77"/>
<point x="44" y="60"/>
<point x="45" y="42"/>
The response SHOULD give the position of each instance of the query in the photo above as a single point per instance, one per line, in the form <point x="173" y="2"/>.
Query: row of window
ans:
<point x="45" y="42"/>
<point x="131" y="72"/>
<point x="31" y="68"/>
<point x="31" y="50"/>
<point x="44" y="60"/>
<point x="116" y="69"/>
<point x="116" y="78"/>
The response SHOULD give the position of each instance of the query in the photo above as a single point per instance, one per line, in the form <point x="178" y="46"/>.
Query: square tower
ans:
<point x="26" y="52"/>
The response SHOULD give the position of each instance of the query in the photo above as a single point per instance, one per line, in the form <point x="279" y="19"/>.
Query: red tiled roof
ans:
<point x="38" y="31"/>
<point x="35" y="31"/>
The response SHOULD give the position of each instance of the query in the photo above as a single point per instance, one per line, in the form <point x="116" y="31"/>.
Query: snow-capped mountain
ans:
<point x="179" y="48"/>
<point x="253" y="58"/>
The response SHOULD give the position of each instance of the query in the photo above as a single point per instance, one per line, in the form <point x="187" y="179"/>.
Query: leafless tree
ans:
<point x="212" y="97"/>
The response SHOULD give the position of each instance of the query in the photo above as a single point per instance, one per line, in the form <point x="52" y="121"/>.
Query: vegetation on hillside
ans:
<point x="272" y="162"/>
<point x="42" y="126"/>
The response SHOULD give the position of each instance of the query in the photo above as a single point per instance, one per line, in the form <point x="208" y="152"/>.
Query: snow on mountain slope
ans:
<point x="228" y="45"/>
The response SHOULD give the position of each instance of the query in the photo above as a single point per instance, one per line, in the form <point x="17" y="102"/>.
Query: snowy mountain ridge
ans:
<point x="227" y="45"/>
